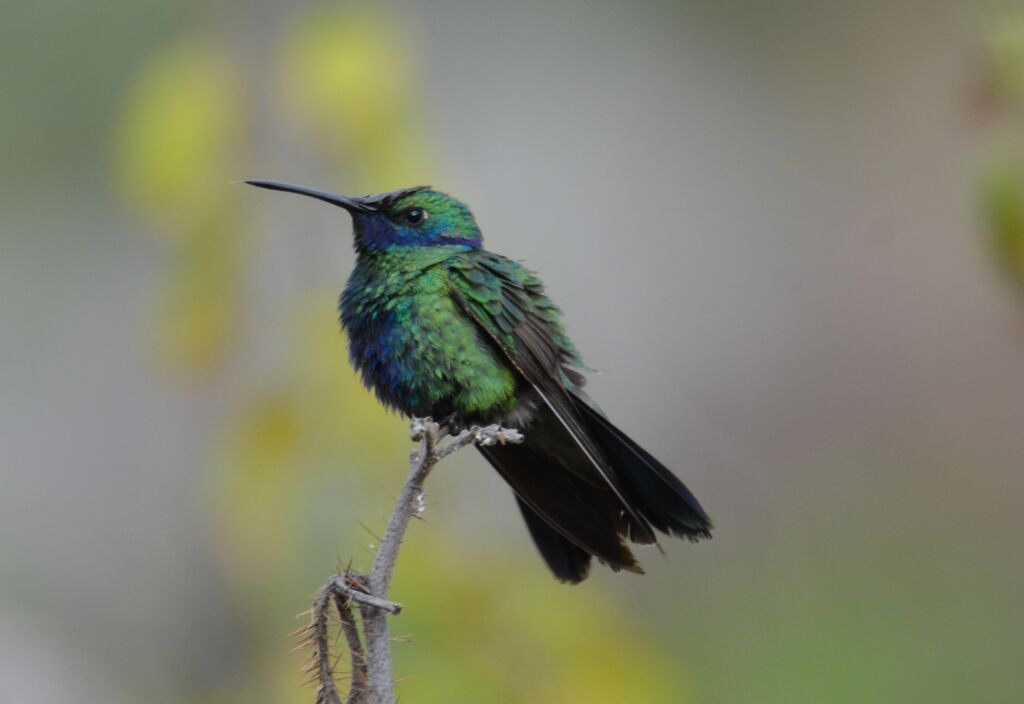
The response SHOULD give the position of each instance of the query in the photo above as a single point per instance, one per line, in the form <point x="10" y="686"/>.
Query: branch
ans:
<point x="357" y="688"/>
<point x="372" y="681"/>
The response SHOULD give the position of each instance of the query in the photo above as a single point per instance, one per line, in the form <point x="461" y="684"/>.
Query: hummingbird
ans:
<point x="438" y="326"/>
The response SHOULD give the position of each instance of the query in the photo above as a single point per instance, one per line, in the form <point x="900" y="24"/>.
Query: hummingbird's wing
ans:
<point x="508" y="303"/>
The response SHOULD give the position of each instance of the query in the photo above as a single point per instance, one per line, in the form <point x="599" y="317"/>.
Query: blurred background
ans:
<point x="791" y="235"/>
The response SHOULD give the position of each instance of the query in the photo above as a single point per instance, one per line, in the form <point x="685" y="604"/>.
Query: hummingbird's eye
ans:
<point x="414" y="216"/>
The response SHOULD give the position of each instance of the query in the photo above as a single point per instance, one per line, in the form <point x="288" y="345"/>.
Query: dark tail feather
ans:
<point x="573" y="514"/>
<point x="649" y="486"/>
<point x="568" y="561"/>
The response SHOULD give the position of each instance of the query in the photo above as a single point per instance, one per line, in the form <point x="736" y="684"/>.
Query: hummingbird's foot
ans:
<point x="452" y="424"/>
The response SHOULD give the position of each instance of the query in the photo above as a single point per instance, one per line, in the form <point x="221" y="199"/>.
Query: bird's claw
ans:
<point x="452" y="423"/>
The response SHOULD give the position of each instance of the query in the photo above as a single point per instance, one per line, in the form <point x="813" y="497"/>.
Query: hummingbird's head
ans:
<point x="412" y="217"/>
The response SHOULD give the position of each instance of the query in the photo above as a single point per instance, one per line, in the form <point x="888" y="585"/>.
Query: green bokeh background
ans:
<point x="789" y="234"/>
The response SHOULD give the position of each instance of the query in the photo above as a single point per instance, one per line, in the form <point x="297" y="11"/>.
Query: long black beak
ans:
<point x="353" y="205"/>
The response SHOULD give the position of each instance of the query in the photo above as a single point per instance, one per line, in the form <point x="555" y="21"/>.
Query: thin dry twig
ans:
<point x="319" y="663"/>
<point x="359" y="684"/>
<point x="372" y="681"/>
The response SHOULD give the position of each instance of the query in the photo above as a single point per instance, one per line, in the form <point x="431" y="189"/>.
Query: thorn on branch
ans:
<point x="372" y="680"/>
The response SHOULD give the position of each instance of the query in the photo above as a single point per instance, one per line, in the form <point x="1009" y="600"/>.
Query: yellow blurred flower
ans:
<point x="353" y="81"/>
<point x="1003" y="198"/>
<point x="1005" y="46"/>
<point x="179" y="133"/>
<point x="177" y="148"/>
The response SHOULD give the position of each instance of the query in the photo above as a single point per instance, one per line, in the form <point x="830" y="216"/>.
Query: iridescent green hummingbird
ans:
<point x="440" y="327"/>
